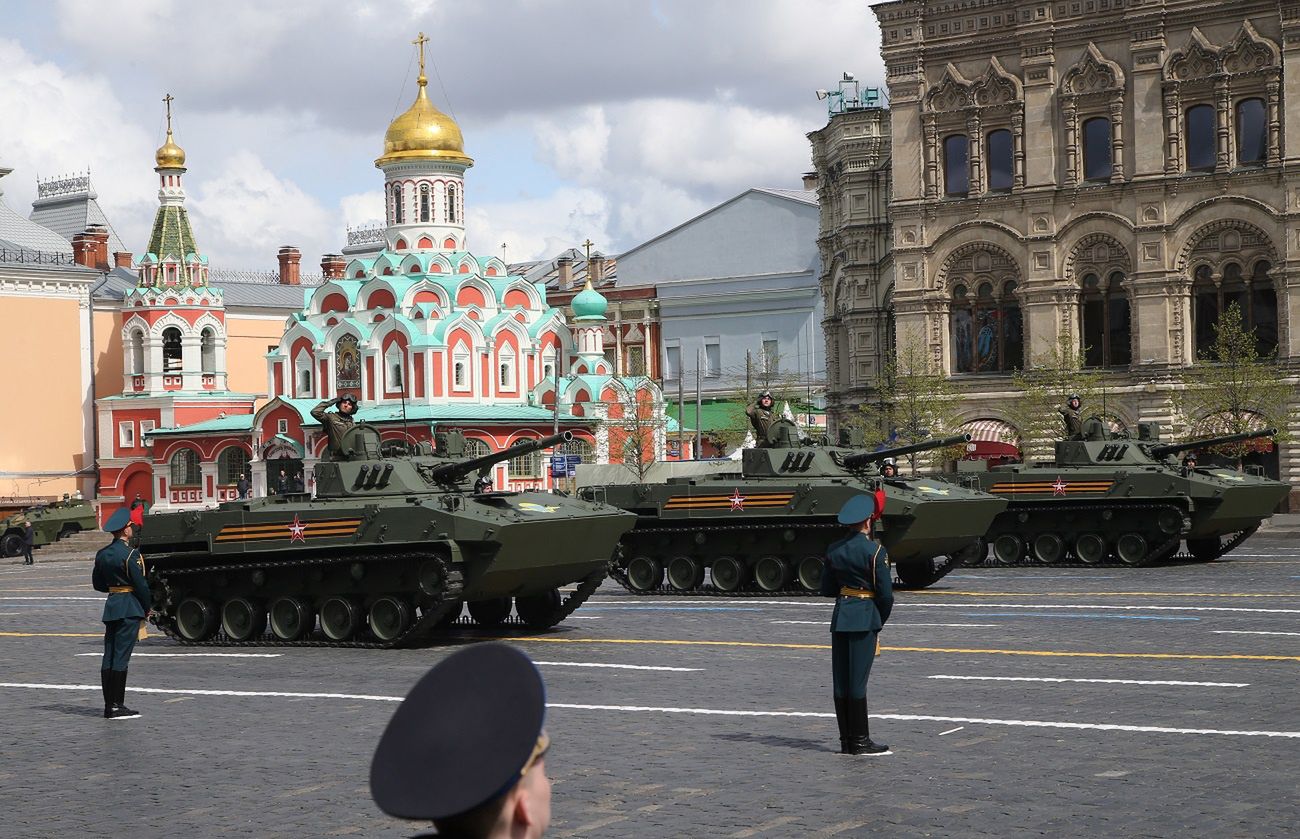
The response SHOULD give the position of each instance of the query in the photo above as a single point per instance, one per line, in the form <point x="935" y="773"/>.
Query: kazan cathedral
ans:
<point x="426" y="335"/>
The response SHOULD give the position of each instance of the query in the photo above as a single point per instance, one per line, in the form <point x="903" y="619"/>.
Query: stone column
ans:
<point x="1018" y="145"/>
<point x="976" y="147"/>
<point x="1173" y="157"/>
<point x="1117" y="140"/>
<point x="1274" y="153"/>
<point x="1223" y="107"/>
<point x="1071" y="113"/>
<point x="191" y="363"/>
<point x="930" y="149"/>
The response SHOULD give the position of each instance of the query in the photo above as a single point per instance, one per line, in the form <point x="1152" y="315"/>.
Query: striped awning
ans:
<point x="991" y="431"/>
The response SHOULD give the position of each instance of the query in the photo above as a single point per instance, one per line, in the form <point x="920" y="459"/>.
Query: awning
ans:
<point x="991" y="431"/>
<point x="278" y="444"/>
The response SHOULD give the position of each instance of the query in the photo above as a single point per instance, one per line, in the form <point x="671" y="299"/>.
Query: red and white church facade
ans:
<point x="428" y="337"/>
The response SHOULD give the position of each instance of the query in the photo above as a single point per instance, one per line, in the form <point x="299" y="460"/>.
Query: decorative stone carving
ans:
<point x="1249" y="51"/>
<point x="1094" y="73"/>
<point x="1198" y="60"/>
<point x="952" y="93"/>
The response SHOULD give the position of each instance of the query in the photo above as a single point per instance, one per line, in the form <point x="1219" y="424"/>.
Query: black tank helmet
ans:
<point x="347" y="397"/>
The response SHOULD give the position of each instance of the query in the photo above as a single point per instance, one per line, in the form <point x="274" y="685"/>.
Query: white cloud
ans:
<point x="534" y="228"/>
<point x="363" y="208"/>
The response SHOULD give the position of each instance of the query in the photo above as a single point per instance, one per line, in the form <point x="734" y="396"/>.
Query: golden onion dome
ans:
<point x="423" y="133"/>
<point x="170" y="155"/>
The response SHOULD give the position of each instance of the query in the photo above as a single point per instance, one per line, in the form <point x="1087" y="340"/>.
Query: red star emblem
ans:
<point x="296" y="530"/>
<point x="1058" y="488"/>
<point x="737" y="501"/>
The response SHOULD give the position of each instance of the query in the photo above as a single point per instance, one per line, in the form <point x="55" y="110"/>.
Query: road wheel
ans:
<point x="490" y="612"/>
<point x="291" y="619"/>
<point x="11" y="544"/>
<point x="1048" y="548"/>
<point x="685" y="573"/>
<point x="772" y="573"/>
<point x="540" y="611"/>
<point x="339" y="618"/>
<point x="390" y="617"/>
<point x="809" y="573"/>
<point x="242" y="619"/>
<point x="1008" y="548"/>
<point x="645" y="573"/>
<point x="728" y="573"/>
<point x="1090" y="548"/>
<point x="432" y="577"/>
<point x="1169" y="521"/>
<point x="1131" y="549"/>
<point x="1205" y="550"/>
<point x="196" y="619"/>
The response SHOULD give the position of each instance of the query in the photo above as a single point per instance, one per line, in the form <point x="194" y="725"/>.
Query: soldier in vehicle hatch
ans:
<point x="761" y="416"/>
<point x="339" y="423"/>
<point x="1073" y="420"/>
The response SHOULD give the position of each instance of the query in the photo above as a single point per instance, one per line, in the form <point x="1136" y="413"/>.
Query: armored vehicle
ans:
<point x="393" y="543"/>
<point x="1109" y="499"/>
<point x="763" y="524"/>
<point x="50" y="523"/>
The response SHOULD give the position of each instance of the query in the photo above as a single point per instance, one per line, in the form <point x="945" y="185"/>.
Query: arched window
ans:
<point x="1252" y="133"/>
<point x="208" y="350"/>
<point x="1200" y="130"/>
<point x="1205" y="307"/>
<point x="1262" y="316"/>
<point x="424" y="202"/>
<point x="393" y="369"/>
<point x="399" y="212"/>
<point x="1107" y="332"/>
<point x="302" y="373"/>
<point x="137" y="352"/>
<point x="347" y="364"/>
<point x="232" y="464"/>
<point x="185" y="470"/>
<point x="999" y="160"/>
<point x="172" y="359"/>
<point x="526" y="465"/>
<point x="506" y="371"/>
<point x="987" y="329"/>
<point x="475" y="447"/>
<point x="1097" y="163"/>
<point x="1253" y="293"/>
<point x="451" y="204"/>
<point x="581" y="448"/>
<point x="956" y="166"/>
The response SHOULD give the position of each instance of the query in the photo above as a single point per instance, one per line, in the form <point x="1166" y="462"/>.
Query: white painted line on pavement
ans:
<point x="621" y="666"/>
<point x="197" y="655"/>
<point x="583" y="618"/>
<point x="12" y="597"/>
<point x="1097" y="606"/>
<point x="713" y="712"/>
<point x="894" y="625"/>
<point x="1249" y="632"/>
<point x="1095" y="681"/>
<point x="951" y="731"/>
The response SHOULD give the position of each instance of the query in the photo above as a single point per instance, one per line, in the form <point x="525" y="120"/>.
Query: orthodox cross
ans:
<point x="167" y="100"/>
<point x="420" y="42"/>
<point x="588" y="245"/>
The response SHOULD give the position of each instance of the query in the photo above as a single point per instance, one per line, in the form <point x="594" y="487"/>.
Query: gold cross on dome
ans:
<point x="588" y="245"/>
<point x="167" y="100"/>
<point x="420" y="42"/>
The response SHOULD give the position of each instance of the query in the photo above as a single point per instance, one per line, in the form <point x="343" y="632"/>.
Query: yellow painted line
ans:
<point x="51" y="634"/>
<point x="964" y="651"/>
<point x="46" y="590"/>
<point x="1097" y="593"/>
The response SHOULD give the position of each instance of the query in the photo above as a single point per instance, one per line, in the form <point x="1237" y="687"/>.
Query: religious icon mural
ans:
<point x="347" y="364"/>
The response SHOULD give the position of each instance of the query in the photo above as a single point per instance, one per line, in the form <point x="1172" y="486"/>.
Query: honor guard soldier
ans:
<point x="1073" y="420"/>
<point x="466" y="749"/>
<point x="339" y="423"/>
<point x="119" y="570"/>
<point x="857" y="575"/>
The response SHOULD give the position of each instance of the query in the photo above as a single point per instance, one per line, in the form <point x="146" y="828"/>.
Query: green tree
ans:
<point x="759" y="373"/>
<point x="636" y="424"/>
<point x="1232" y="389"/>
<point x="1043" y="388"/>
<point x="912" y="401"/>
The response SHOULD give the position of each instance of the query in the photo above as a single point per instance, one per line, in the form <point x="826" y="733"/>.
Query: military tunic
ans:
<point x="761" y="419"/>
<point x="1073" y="422"/>
<point x="336" y="425"/>
<point x="856" y="562"/>
<point x="119" y="570"/>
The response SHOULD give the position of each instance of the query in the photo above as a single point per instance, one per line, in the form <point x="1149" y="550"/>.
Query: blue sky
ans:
<point x="608" y="119"/>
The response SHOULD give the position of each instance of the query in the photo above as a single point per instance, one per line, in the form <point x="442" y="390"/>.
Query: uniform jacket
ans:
<point x="119" y="565"/>
<point x="858" y="562"/>
<point x="335" y="424"/>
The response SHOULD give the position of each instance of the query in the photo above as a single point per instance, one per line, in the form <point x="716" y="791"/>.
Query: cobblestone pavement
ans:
<point x="733" y="736"/>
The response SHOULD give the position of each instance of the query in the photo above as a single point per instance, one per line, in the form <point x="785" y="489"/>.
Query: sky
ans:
<point x="613" y="120"/>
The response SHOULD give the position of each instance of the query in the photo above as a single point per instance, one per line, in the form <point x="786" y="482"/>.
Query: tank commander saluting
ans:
<point x="1073" y="420"/>
<point x="466" y="749"/>
<point x="337" y="424"/>
<point x="760" y="417"/>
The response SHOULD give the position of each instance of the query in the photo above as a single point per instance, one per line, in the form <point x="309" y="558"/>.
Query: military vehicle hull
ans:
<point x="756" y="533"/>
<point x="50" y="523"/>
<point x="383" y="570"/>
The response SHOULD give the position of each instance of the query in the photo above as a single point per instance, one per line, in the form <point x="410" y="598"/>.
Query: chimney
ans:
<point x="91" y="248"/>
<point x="332" y="266"/>
<point x="810" y="180"/>
<point x="564" y="265"/>
<point x="289" y="257"/>
<point x="122" y="259"/>
<point x="596" y="269"/>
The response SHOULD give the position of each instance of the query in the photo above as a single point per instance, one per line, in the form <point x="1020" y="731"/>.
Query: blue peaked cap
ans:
<point x="857" y="509"/>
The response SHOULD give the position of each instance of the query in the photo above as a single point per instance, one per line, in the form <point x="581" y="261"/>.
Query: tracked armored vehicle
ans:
<point x="763" y="525"/>
<point x="388" y="551"/>
<point x="1107" y="499"/>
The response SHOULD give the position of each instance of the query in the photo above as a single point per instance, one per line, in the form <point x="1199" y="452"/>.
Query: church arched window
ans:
<point x="171" y="347"/>
<point x="526" y="465"/>
<point x="208" y="350"/>
<point x="451" y="204"/>
<point x="137" y="352"/>
<point x="424" y="202"/>
<point x="475" y="447"/>
<point x="232" y="464"/>
<point x="399" y="212"/>
<point x="1107" y="332"/>
<point x="184" y="468"/>
<point x="987" y="330"/>
<point x="302" y="373"/>
<point x="581" y="448"/>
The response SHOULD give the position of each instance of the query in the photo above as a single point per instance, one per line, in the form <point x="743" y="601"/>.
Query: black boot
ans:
<point x="843" y="716"/>
<point x="863" y="739"/>
<point x="110" y="692"/>
<point x="120" y="711"/>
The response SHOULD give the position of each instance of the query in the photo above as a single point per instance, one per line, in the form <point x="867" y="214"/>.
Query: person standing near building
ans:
<point x="29" y="541"/>
<point x="466" y="749"/>
<point x="119" y="571"/>
<point x="242" y="486"/>
<point x="857" y="575"/>
<point x="138" y="509"/>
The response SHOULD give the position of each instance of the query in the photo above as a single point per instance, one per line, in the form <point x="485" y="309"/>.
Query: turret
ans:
<point x="861" y="461"/>
<point x="1162" y="451"/>
<point x="454" y="473"/>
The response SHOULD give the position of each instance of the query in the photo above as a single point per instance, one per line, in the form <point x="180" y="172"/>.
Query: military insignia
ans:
<point x="926" y="488"/>
<point x="1228" y="476"/>
<point x="737" y="500"/>
<point x="297" y="529"/>
<point x="533" y="507"/>
<point x="1059" y="487"/>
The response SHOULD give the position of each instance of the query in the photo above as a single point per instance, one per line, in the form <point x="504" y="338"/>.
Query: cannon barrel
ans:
<point x="864" y="459"/>
<point x="454" y="472"/>
<point x="1167" y="449"/>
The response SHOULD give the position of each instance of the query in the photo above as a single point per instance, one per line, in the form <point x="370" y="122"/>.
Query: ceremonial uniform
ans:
<point x="336" y="424"/>
<point x="119" y="571"/>
<point x="857" y="575"/>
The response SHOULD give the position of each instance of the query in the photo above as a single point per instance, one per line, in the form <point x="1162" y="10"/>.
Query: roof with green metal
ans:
<point x="172" y="236"/>
<point x="235" y="422"/>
